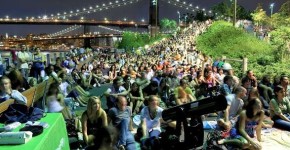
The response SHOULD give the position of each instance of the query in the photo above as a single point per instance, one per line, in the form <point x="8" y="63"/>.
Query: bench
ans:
<point x="34" y="94"/>
<point x="39" y="93"/>
<point x="29" y="94"/>
<point x="4" y="105"/>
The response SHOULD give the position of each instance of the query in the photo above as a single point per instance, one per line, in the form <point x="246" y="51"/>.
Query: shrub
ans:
<point x="222" y="39"/>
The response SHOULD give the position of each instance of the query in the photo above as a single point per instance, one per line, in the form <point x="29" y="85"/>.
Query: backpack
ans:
<point x="211" y="141"/>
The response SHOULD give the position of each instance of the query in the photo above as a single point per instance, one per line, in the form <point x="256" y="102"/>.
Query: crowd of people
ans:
<point x="172" y="72"/>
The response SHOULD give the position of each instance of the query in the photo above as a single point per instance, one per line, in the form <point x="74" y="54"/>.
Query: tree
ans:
<point x="282" y="17"/>
<point x="200" y="16"/>
<point x="164" y="24"/>
<point x="227" y="10"/>
<point x="259" y="16"/>
<point x="277" y="20"/>
<point x="285" y="9"/>
<point x="242" y="13"/>
<point x="133" y="40"/>
<point x="281" y="39"/>
<point x="280" y="35"/>
<point x="222" y="9"/>
<point x="167" y="25"/>
<point x="172" y="25"/>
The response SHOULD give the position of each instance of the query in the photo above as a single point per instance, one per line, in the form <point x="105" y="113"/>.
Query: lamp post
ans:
<point x="178" y="17"/>
<point x="185" y="19"/>
<point x="271" y="8"/>
<point x="235" y="13"/>
<point x="156" y="21"/>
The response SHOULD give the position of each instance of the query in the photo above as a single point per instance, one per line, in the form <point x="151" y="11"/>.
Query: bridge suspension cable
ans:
<point x="91" y="9"/>
<point x="64" y="31"/>
<point x="187" y="6"/>
<point x="111" y="29"/>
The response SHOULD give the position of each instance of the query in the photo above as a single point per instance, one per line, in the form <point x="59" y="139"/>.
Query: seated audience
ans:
<point x="107" y="141"/>
<point x="136" y="98"/>
<point x="6" y="92"/>
<point x="183" y="94"/>
<point x="120" y="117"/>
<point x="235" y="105"/>
<point x="280" y="109"/>
<point x="55" y="101"/>
<point x="226" y="88"/>
<point x="117" y="89"/>
<point x="69" y="91"/>
<point x="93" y="119"/>
<point x="249" y="120"/>
<point x="265" y="88"/>
<point x="18" y="82"/>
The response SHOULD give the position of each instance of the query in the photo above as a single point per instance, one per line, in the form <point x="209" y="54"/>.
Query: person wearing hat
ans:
<point x="228" y="70"/>
<point x="117" y="89"/>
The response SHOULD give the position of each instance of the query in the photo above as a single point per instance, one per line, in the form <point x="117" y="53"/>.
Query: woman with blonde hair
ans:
<point x="93" y="119"/>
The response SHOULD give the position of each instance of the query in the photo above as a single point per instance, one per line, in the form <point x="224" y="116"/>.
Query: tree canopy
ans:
<point x="133" y="40"/>
<point x="167" y="25"/>
<point x="226" y="10"/>
<point x="259" y="16"/>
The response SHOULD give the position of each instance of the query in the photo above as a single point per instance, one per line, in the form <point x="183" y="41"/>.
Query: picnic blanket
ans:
<point x="275" y="139"/>
<point x="272" y="138"/>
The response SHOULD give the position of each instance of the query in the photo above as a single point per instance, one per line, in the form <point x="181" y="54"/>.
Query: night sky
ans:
<point x="136" y="12"/>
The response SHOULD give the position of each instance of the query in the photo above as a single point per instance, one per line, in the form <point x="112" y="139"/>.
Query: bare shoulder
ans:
<point x="104" y="114"/>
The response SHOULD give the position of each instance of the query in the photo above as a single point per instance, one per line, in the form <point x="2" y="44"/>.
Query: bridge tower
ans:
<point x="154" y="17"/>
<point x="87" y="41"/>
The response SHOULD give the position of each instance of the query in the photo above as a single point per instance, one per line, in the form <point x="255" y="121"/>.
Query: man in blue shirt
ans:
<point x="226" y="88"/>
<point x="120" y="117"/>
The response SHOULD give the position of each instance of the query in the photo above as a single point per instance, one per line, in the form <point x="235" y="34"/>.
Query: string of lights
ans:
<point x="91" y="9"/>
<point x="64" y="31"/>
<point x="111" y="29"/>
<point x="185" y="5"/>
<point x="78" y="12"/>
